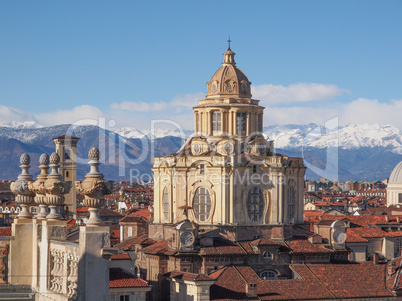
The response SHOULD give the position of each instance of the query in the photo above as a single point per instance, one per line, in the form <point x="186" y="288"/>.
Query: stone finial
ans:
<point x="24" y="196"/>
<point x="39" y="186"/>
<point x="44" y="159"/>
<point x="25" y="159"/>
<point x="94" y="187"/>
<point x="54" y="158"/>
<point x="94" y="154"/>
<point x="55" y="187"/>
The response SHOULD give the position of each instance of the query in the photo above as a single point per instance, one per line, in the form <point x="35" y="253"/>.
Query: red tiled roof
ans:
<point x="160" y="247"/>
<point x="129" y="244"/>
<point x="118" y="278"/>
<point x="120" y="256"/>
<point x="144" y="212"/>
<point x="318" y="281"/>
<point x="132" y="219"/>
<point x="351" y="236"/>
<point x="340" y="279"/>
<point x="189" y="276"/>
<point x="5" y="231"/>
<point x="66" y="137"/>
<point x="305" y="246"/>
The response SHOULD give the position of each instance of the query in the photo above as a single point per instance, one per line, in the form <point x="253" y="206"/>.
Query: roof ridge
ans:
<point x="327" y="289"/>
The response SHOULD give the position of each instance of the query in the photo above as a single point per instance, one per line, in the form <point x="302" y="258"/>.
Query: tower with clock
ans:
<point x="228" y="172"/>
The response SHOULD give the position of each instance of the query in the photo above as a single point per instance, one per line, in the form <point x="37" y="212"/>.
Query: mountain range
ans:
<point x="358" y="152"/>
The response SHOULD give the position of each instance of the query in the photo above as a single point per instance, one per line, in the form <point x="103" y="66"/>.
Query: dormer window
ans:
<point x="267" y="255"/>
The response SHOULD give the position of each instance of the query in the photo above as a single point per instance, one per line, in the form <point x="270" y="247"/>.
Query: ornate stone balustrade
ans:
<point x="63" y="267"/>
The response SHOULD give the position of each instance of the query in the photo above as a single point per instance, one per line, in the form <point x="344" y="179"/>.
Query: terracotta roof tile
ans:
<point x="118" y="278"/>
<point x="319" y="281"/>
<point x="189" y="276"/>
<point x="305" y="246"/>
<point x="5" y="231"/>
<point x="120" y="256"/>
<point x="129" y="244"/>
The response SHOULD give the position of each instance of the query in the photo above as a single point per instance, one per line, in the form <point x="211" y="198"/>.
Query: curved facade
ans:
<point x="394" y="188"/>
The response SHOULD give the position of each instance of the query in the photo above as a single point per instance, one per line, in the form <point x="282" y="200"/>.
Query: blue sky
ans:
<point x="133" y="62"/>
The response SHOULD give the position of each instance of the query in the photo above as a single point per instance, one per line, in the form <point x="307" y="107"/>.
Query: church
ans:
<point x="227" y="175"/>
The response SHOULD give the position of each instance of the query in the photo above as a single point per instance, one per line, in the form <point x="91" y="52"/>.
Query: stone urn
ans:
<point x="38" y="187"/>
<point x="55" y="188"/>
<point x="94" y="188"/>
<point x="24" y="196"/>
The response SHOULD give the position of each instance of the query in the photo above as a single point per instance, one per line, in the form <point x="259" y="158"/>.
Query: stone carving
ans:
<point x="72" y="277"/>
<point x="94" y="187"/>
<point x="55" y="188"/>
<point x="57" y="272"/>
<point x="106" y="240"/>
<point x="24" y="196"/>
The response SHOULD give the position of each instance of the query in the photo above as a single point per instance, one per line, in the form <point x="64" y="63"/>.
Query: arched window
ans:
<point x="216" y="122"/>
<point x="292" y="196"/>
<point x="255" y="205"/>
<point x="67" y="174"/>
<point x="269" y="274"/>
<point x="267" y="255"/>
<point x="165" y="203"/>
<point x="202" y="204"/>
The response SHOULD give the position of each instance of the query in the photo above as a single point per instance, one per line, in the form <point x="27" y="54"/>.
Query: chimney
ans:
<point x="386" y="218"/>
<point x="376" y="258"/>
<point x="251" y="290"/>
<point x="398" y="219"/>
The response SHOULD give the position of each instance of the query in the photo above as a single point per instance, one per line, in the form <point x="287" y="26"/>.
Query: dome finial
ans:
<point x="229" y="55"/>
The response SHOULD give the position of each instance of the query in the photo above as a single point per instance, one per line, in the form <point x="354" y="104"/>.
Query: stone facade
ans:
<point x="228" y="173"/>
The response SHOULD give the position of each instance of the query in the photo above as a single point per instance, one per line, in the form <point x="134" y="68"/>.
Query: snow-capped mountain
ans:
<point x="363" y="151"/>
<point x="350" y="137"/>
<point x="22" y="125"/>
<point x="152" y="134"/>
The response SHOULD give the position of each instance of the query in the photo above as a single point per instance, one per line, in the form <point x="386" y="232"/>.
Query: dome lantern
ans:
<point x="229" y="80"/>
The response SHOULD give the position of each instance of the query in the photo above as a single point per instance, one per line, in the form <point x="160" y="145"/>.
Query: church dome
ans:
<point x="228" y="80"/>
<point x="396" y="175"/>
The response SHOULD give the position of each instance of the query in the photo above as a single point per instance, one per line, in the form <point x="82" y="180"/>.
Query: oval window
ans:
<point x="202" y="204"/>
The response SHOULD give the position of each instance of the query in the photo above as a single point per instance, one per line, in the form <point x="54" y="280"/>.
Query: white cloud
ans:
<point x="359" y="111"/>
<point x="298" y="115"/>
<point x="372" y="111"/>
<point x="301" y="92"/>
<point x="9" y="114"/>
<point x="178" y="103"/>
<point x="79" y="113"/>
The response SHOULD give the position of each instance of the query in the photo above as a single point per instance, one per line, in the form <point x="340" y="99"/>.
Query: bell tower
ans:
<point x="66" y="148"/>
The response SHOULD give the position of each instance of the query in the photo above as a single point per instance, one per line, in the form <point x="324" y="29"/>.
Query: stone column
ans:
<point x="24" y="196"/>
<point x="94" y="187"/>
<point x="38" y="186"/>
<point x="55" y="188"/>
<point x="21" y="244"/>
